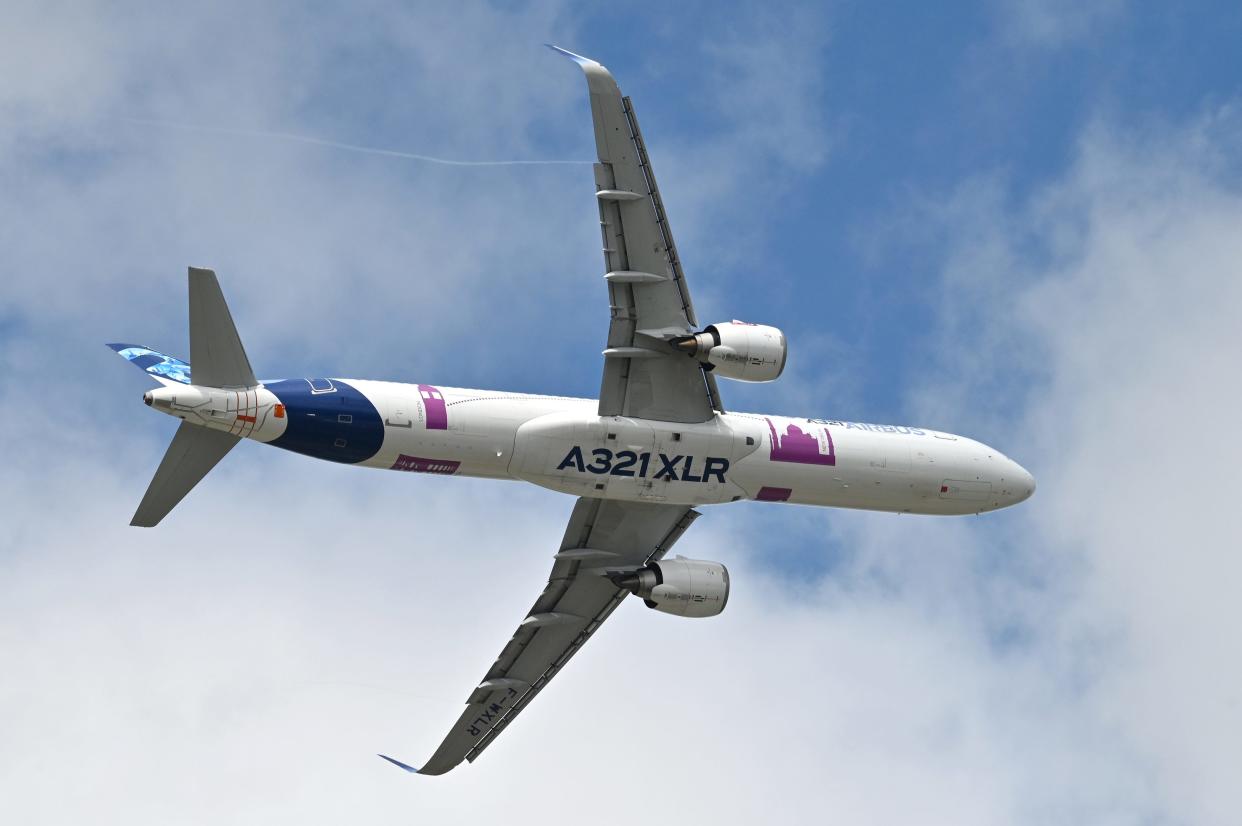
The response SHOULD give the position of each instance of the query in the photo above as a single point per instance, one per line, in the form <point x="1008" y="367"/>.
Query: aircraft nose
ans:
<point x="1024" y="483"/>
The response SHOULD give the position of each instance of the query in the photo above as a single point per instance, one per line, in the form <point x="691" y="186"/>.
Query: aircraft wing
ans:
<point x="603" y="536"/>
<point x="644" y="375"/>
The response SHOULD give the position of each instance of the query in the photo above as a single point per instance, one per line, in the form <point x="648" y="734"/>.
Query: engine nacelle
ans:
<point x="685" y="587"/>
<point x="737" y="350"/>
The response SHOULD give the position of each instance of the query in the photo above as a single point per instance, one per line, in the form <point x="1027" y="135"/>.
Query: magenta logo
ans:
<point x="433" y="403"/>
<point x="812" y="446"/>
<point x="417" y="464"/>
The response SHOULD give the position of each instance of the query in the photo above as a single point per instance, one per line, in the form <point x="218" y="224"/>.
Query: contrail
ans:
<point x="349" y="147"/>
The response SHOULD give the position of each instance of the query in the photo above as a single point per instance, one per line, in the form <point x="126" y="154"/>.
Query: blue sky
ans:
<point x="1017" y="221"/>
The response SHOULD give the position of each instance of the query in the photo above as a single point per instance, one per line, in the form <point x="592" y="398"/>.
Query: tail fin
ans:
<point x="164" y="369"/>
<point x="194" y="451"/>
<point x="215" y="349"/>
<point x="219" y="361"/>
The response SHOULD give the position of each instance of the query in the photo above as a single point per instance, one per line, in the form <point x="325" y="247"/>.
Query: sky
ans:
<point x="1017" y="221"/>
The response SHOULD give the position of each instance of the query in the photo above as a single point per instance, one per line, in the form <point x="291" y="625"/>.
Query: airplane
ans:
<point x="655" y="445"/>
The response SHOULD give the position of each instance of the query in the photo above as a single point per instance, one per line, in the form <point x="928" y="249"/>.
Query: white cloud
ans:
<point x="1052" y="23"/>
<point x="1105" y="312"/>
<point x="318" y="238"/>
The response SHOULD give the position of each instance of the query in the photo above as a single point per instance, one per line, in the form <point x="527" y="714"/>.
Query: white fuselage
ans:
<point x="563" y="444"/>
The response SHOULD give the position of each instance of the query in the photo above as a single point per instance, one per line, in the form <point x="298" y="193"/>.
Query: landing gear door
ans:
<point x="655" y="486"/>
<point x="632" y="442"/>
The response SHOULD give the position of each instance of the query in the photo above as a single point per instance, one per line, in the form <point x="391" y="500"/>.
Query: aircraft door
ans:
<point x="397" y="413"/>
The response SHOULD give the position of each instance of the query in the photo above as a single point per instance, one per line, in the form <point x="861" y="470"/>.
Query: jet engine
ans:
<point x="685" y="587"/>
<point x="737" y="350"/>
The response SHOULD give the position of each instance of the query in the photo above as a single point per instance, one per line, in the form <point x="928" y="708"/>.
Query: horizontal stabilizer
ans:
<point x="162" y="368"/>
<point x="398" y="763"/>
<point x="194" y="451"/>
<point x="215" y="349"/>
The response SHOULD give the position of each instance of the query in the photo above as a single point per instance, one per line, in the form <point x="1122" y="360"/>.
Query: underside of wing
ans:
<point x="604" y="541"/>
<point x="645" y="376"/>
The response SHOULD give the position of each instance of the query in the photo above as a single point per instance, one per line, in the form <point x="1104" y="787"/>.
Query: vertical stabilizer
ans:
<point x="215" y="349"/>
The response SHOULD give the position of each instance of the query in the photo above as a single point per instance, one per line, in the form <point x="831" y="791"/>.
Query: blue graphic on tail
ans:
<point x="155" y="363"/>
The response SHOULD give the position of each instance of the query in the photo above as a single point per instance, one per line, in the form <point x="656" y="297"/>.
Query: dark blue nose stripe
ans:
<point x="328" y="419"/>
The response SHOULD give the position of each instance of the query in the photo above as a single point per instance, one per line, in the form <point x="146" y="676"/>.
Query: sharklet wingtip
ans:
<point x="576" y="58"/>
<point x="399" y="764"/>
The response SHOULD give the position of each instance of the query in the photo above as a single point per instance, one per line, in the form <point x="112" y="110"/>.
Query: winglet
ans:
<point x="599" y="79"/>
<point x="399" y="764"/>
<point x="576" y="58"/>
